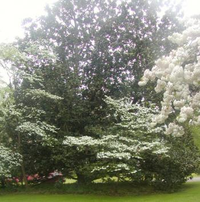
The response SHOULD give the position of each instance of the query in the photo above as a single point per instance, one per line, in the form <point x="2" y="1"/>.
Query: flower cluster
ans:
<point x="178" y="76"/>
<point x="135" y="117"/>
<point x="8" y="161"/>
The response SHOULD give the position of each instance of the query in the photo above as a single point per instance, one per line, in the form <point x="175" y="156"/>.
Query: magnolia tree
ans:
<point x="178" y="76"/>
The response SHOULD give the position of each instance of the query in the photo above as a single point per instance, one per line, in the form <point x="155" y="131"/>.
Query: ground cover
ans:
<point x="190" y="192"/>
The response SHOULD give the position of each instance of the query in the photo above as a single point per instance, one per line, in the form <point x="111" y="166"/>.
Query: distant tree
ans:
<point x="104" y="46"/>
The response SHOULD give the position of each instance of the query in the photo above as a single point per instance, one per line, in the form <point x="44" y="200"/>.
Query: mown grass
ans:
<point x="189" y="193"/>
<point x="114" y="189"/>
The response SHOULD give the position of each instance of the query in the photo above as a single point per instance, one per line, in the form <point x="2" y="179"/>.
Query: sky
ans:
<point x="12" y="13"/>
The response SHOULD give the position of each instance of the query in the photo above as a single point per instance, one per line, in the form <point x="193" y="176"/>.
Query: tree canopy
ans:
<point x="66" y="108"/>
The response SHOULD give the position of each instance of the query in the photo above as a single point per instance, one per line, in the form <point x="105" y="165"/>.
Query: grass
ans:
<point x="114" y="189"/>
<point x="189" y="193"/>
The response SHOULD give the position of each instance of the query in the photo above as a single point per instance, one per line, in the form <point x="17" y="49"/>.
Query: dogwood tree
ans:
<point x="121" y="149"/>
<point x="25" y="108"/>
<point x="130" y="149"/>
<point x="178" y="76"/>
<point x="8" y="161"/>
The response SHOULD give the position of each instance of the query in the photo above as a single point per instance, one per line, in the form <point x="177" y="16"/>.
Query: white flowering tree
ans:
<point x="153" y="156"/>
<point x="120" y="149"/>
<point x="130" y="149"/>
<point x="24" y="110"/>
<point x="178" y="77"/>
<point x="8" y="162"/>
<point x="10" y="159"/>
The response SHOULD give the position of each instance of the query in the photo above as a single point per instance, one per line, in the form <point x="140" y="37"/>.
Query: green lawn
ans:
<point x="189" y="193"/>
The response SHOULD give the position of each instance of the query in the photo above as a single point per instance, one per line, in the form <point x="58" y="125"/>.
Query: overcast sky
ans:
<point x="12" y="12"/>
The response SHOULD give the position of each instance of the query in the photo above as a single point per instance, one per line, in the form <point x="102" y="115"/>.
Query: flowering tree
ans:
<point x="130" y="149"/>
<point x="8" y="161"/>
<point x="25" y="123"/>
<point x="120" y="149"/>
<point x="178" y="76"/>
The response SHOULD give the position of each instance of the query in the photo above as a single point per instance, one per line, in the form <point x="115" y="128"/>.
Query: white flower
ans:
<point x="160" y="86"/>
<point x="178" y="103"/>
<point x="196" y="100"/>
<point x="175" y="130"/>
<point x="142" y="83"/>
<point x="188" y="76"/>
<point x="188" y="111"/>
<point x="178" y="75"/>
<point x="149" y="74"/>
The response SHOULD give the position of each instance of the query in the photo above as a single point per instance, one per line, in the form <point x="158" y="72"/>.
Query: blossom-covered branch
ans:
<point x="178" y="76"/>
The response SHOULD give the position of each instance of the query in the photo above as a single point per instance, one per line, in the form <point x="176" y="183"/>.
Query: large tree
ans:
<point x="104" y="45"/>
<point x="25" y="111"/>
<point x="102" y="48"/>
<point x="81" y="50"/>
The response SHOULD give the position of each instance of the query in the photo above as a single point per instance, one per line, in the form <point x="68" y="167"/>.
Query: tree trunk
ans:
<point x="82" y="179"/>
<point x="22" y="163"/>
<point x="24" y="174"/>
<point x="3" y="184"/>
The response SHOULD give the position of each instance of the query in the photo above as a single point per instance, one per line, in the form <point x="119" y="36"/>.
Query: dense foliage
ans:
<point x="65" y="108"/>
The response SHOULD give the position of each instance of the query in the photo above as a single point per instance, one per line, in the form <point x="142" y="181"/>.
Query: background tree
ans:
<point x="27" y="126"/>
<point x="9" y="158"/>
<point x="9" y="162"/>
<point x="102" y="48"/>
